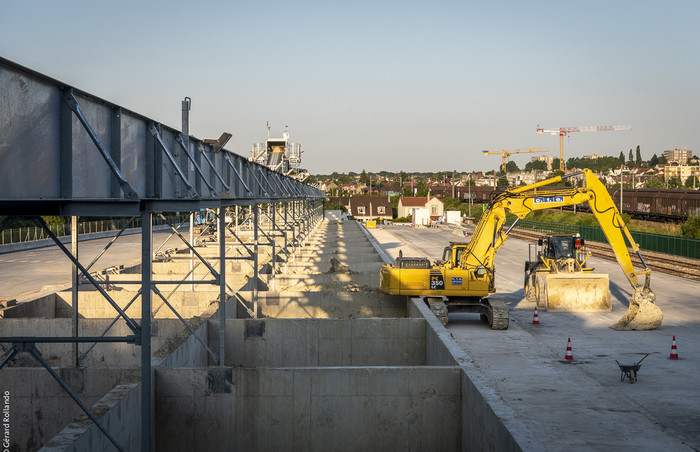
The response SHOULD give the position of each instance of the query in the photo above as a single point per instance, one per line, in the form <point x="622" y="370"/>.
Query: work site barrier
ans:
<point x="32" y="233"/>
<point x="677" y="246"/>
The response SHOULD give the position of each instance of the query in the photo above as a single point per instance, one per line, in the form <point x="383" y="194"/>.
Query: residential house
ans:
<point x="369" y="207"/>
<point x="408" y="203"/>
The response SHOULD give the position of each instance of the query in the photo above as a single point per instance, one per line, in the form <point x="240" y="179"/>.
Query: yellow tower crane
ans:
<point x="505" y="153"/>
<point x="566" y="131"/>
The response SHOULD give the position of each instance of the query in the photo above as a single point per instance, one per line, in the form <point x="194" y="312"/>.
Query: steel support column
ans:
<point x="74" y="286"/>
<point x="256" y="218"/>
<point x="222" y="287"/>
<point x="145" y="332"/>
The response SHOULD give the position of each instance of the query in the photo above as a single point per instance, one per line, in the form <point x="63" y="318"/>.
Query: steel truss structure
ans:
<point x="66" y="152"/>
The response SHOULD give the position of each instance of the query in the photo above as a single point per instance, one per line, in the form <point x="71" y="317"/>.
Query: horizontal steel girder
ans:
<point x="64" y="151"/>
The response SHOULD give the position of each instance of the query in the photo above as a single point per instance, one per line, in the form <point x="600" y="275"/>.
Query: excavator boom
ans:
<point x="470" y="272"/>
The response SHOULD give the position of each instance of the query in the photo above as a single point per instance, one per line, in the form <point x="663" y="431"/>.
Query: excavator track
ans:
<point x="498" y="315"/>
<point x="493" y="312"/>
<point x="439" y="308"/>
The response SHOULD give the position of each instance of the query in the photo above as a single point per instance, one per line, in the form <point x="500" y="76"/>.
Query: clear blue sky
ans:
<point x="383" y="85"/>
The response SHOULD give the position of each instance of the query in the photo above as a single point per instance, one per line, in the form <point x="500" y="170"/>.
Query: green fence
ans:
<point x="677" y="246"/>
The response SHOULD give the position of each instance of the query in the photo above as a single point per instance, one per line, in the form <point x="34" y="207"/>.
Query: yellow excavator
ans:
<point x="463" y="279"/>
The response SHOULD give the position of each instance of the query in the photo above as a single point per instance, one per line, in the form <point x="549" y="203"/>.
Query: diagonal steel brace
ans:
<point x="200" y="148"/>
<point x="235" y="170"/>
<point x="154" y="131"/>
<point x="189" y="245"/>
<point x="30" y="347"/>
<point x="181" y="141"/>
<point x="184" y="322"/>
<point x="133" y="326"/>
<point x="73" y="104"/>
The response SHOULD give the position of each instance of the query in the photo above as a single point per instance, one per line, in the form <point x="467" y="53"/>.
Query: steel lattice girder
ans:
<point x="67" y="152"/>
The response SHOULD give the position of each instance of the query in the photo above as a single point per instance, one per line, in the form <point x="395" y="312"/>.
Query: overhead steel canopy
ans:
<point x="66" y="152"/>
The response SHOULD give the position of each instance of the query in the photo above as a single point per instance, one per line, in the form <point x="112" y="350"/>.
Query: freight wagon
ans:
<point x="659" y="205"/>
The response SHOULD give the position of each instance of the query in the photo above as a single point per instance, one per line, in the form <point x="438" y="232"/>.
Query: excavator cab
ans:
<point x="559" y="247"/>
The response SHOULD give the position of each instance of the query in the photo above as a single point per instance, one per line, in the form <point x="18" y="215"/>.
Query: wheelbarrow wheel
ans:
<point x="633" y="376"/>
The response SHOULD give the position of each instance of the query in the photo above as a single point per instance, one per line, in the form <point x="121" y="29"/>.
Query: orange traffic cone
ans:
<point x="569" y="353"/>
<point x="536" y="318"/>
<point x="674" y="350"/>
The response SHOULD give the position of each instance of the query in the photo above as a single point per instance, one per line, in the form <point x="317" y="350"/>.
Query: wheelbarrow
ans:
<point x="630" y="370"/>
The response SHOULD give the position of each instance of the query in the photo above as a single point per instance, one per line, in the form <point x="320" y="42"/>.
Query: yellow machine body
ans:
<point x="467" y="269"/>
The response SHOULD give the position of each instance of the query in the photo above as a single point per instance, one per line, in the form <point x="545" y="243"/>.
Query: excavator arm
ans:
<point x="643" y="314"/>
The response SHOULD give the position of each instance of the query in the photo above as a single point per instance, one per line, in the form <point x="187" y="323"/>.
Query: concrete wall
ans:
<point x="40" y="408"/>
<point x="188" y="351"/>
<point x="91" y="304"/>
<point x="331" y="282"/>
<point x="324" y="342"/>
<point x="119" y="411"/>
<point x="165" y="333"/>
<point x="42" y="307"/>
<point x="321" y="305"/>
<point x="194" y="409"/>
<point x="376" y="408"/>
<point x="487" y="422"/>
<point x="310" y="409"/>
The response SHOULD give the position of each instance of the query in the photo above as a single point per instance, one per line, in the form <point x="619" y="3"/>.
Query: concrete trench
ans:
<point x="329" y="363"/>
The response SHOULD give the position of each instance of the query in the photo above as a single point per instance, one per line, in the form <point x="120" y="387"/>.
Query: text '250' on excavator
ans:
<point x="464" y="278"/>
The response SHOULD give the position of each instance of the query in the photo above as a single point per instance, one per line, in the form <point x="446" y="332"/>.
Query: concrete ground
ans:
<point x="581" y="405"/>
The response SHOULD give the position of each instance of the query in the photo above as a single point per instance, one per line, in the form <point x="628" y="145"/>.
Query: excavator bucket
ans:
<point x="642" y="314"/>
<point x="574" y="292"/>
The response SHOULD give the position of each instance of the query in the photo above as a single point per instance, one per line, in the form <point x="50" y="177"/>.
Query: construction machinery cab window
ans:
<point x="447" y="253"/>
<point x="561" y="247"/>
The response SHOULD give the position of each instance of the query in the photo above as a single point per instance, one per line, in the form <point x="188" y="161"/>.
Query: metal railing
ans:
<point x="677" y="246"/>
<point x="33" y="233"/>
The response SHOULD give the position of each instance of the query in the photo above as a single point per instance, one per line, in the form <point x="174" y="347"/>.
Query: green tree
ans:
<point x="663" y="160"/>
<point x="691" y="227"/>
<point x="539" y="165"/>
<point x="400" y="177"/>
<point x="622" y="157"/>
<point x="653" y="161"/>
<point x="334" y="206"/>
<point x="364" y="178"/>
<point x="630" y="160"/>
<point x="674" y="182"/>
<point x="502" y="181"/>
<point x="656" y="183"/>
<point x="422" y="189"/>
<point x="555" y="164"/>
<point x="692" y="183"/>
<point x="512" y="167"/>
<point x="639" y="157"/>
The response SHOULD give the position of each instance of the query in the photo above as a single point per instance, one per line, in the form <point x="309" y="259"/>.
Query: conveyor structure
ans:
<point x="66" y="152"/>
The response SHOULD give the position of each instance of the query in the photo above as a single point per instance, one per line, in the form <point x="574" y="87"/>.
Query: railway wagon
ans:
<point x="664" y="205"/>
<point x="642" y="203"/>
